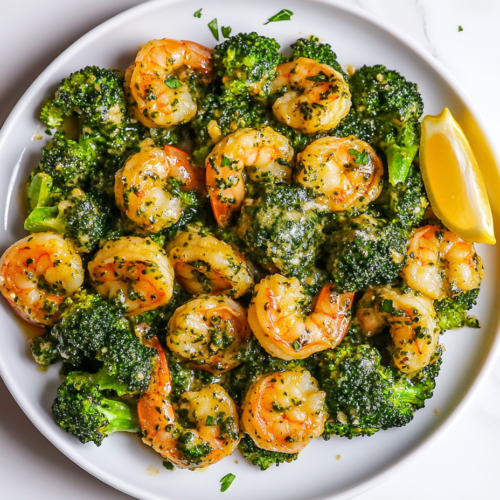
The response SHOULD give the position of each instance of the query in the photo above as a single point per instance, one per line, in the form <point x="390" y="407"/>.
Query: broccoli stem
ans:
<point x="43" y="219"/>
<point x="122" y="417"/>
<point x="102" y="379"/>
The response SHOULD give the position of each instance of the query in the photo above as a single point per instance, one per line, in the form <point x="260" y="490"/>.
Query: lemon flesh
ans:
<point x="453" y="181"/>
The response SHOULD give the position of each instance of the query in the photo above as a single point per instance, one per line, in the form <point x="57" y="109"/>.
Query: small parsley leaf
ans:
<point x="320" y="77"/>
<point x="296" y="345"/>
<point x="226" y="31"/>
<point x="198" y="13"/>
<point x="225" y="162"/>
<point x="210" y="421"/>
<point x="168" y="465"/>
<point x="460" y="29"/>
<point x="173" y="83"/>
<point x="387" y="306"/>
<point x="359" y="158"/>
<point x="214" y="28"/>
<point x="226" y="482"/>
<point x="282" y="15"/>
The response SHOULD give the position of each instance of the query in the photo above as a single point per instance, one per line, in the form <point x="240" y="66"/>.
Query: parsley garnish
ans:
<point x="359" y="158"/>
<point x="282" y="15"/>
<point x="168" y="465"/>
<point x="225" y="162"/>
<point x="197" y="13"/>
<point x="226" y="31"/>
<point x="296" y="345"/>
<point x="320" y="77"/>
<point x="214" y="28"/>
<point x="226" y="482"/>
<point x="173" y="83"/>
<point x="387" y="306"/>
<point x="210" y="421"/>
<point x="460" y="29"/>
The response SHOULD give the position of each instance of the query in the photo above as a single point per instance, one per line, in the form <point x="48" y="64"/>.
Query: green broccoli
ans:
<point x="313" y="49"/>
<point x="279" y="229"/>
<point x="363" y="396"/>
<point x="452" y="312"/>
<point x="263" y="458"/>
<point x="82" y="410"/>
<point x="405" y="203"/>
<point x="247" y="63"/>
<point x="76" y="215"/>
<point x="84" y="327"/>
<point x="94" y="94"/>
<point x="69" y="163"/>
<point x="394" y="105"/>
<point x="354" y="124"/>
<point x="366" y="252"/>
<point x="44" y="349"/>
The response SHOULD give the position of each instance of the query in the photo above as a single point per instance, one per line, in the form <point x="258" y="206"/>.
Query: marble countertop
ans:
<point x="463" y="463"/>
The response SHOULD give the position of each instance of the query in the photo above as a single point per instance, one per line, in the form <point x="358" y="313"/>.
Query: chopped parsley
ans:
<point x="168" y="465"/>
<point x="214" y="28"/>
<point x="226" y="31"/>
<point x="282" y="15"/>
<point x="226" y="482"/>
<point x="359" y="158"/>
<point x="197" y="13"/>
<point x="460" y="29"/>
<point x="173" y="83"/>
<point x="210" y="421"/>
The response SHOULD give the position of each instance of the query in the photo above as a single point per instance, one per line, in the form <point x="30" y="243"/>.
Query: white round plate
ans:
<point x="340" y="468"/>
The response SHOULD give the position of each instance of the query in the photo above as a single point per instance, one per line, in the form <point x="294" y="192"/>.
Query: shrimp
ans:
<point x="439" y="264"/>
<point x="343" y="172"/>
<point x="285" y="411"/>
<point x="265" y="155"/>
<point x="209" y="331"/>
<point x="412" y="322"/>
<point x="141" y="186"/>
<point x="204" y="264"/>
<point x="37" y="273"/>
<point x="207" y="432"/>
<point x="133" y="271"/>
<point x="276" y="318"/>
<point x="157" y="81"/>
<point x="316" y="96"/>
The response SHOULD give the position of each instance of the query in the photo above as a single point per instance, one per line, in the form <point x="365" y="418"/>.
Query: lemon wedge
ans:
<point x="453" y="180"/>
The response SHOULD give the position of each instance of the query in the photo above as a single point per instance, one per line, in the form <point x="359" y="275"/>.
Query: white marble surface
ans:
<point x="464" y="463"/>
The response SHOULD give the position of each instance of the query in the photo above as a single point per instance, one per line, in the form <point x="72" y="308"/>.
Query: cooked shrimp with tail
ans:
<point x="411" y="320"/>
<point x="134" y="272"/>
<point x="284" y="411"/>
<point x="262" y="154"/>
<point x="199" y="430"/>
<point x="158" y="81"/>
<point x="142" y="186"/>
<point x="37" y="273"/>
<point x="279" y="320"/>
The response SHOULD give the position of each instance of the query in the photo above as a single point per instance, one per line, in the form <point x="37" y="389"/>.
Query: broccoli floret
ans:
<point x="363" y="396"/>
<point x="263" y="458"/>
<point x="313" y="49"/>
<point x="354" y="124"/>
<point x="84" y="327"/>
<point x="383" y="94"/>
<point x="76" y="215"/>
<point x="82" y="410"/>
<point x="366" y="252"/>
<point x="394" y="105"/>
<point x="69" y="163"/>
<point x="405" y="203"/>
<point x="44" y="349"/>
<point x="247" y="63"/>
<point x="279" y="229"/>
<point x="128" y="364"/>
<point x="452" y="312"/>
<point x="95" y="94"/>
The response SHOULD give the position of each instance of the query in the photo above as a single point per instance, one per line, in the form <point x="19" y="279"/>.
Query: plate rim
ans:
<point x="48" y="431"/>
